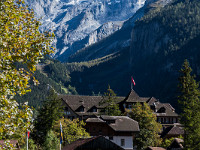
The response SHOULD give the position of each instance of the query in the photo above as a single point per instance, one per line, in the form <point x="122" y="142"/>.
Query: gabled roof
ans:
<point x="75" y="101"/>
<point x="97" y="142"/>
<point x="124" y="123"/>
<point x="176" y="144"/>
<point x="133" y="97"/>
<point x="169" y="110"/>
<point x="173" y="130"/>
<point x="152" y="100"/>
<point x="121" y="123"/>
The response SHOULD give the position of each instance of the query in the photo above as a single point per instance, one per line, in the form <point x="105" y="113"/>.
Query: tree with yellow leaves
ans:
<point x="72" y="130"/>
<point x="20" y="43"/>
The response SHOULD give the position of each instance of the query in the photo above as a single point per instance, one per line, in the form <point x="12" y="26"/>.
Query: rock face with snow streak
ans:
<point x="80" y="23"/>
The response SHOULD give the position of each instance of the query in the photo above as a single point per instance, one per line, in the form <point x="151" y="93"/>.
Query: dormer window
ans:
<point x="94" y="109"/>
<point x="81" y="109"/>
<point x="162" y="110"/>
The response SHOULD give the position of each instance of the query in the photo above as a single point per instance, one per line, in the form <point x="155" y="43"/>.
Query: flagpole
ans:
<point x="131" y="85"/>
<point x="60" y="135"/>
<point x="27" y="139"/>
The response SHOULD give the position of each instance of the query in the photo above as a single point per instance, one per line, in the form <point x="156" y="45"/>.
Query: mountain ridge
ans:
<point x="74" y="20"/>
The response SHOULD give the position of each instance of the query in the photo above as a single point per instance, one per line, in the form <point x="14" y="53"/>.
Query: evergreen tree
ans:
<point x="149" y="127"/>
<point x="51" y="141"/>
<point x="51" y="111"/>
<point x="110" y="102"/>
<point x="190" y="102"/>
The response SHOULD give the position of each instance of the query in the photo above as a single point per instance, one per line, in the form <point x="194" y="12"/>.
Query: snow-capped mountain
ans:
<point x="80" y="23"/>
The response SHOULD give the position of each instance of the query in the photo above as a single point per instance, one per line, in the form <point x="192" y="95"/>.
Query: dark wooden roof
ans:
<point x="133" y="97"/>
<point x="120" y="124"/>
<point x="152" y="100"/>
<point x="75" y="101"/>
<point x="88" y="102"/>
<point x="176" y="144"/>
<point x="169" y="110"/>
<point x="93" y="143"/>
<point x="173" y="131"/>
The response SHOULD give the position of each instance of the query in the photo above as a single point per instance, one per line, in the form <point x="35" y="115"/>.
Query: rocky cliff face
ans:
<point x="79" y="23"/>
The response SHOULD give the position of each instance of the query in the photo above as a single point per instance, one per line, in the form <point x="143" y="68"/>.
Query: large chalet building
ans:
<point x="83" y="107"/>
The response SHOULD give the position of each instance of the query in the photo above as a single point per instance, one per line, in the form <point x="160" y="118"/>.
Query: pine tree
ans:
<point x="51" y="141"/>
<point x="149" y="127"/>
<point x="51" y="111"/>
<point x="190" y="102"/>
<point x="110" y="100"/>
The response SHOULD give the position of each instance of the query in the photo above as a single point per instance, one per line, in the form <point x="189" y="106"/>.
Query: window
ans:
<point x="161" y="110"/>
<point x="129" y="106"/>
<point x="66" y="108"/>
<point x="81" y="109"/>
<point x="100" y="131"/>
<point x="122" y="142"/>
<point x="94" y="109"/>
<point x="110" y="137"/>
<point x="161" y="120"/>
<point x="66" y="112"/>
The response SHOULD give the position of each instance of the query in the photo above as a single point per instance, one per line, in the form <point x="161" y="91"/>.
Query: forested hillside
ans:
<point x="54" y="77"/>
<point x="161" y="40"/>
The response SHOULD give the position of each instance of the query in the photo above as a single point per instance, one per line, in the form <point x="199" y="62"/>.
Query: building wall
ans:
<point x="96" y="129"/>
<point x="128" y="141"/>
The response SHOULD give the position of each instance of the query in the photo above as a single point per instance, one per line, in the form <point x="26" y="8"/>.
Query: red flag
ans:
<point x="28" y="133"/>
<point x="132" y="80"/>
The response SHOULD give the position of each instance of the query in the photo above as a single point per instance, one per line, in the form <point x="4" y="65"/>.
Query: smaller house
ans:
<point x="94" y="143"/>
<point x="119" y="129"/>
<point x="172" y="131"/>
<point x="177" y="144"/>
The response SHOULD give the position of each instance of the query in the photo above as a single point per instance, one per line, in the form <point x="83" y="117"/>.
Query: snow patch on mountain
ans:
<point x="80" y="23"/>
